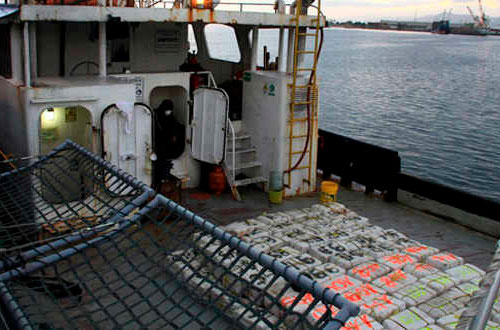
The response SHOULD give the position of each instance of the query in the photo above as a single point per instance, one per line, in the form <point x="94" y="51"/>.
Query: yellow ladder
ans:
<point x="298" y="89"/>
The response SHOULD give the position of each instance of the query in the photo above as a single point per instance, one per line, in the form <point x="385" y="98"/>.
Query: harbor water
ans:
<point x="433" y="98"/>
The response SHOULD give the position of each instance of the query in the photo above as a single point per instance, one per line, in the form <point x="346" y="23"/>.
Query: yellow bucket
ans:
<point x="329" y="191"/>
<point x="276" y="197"/>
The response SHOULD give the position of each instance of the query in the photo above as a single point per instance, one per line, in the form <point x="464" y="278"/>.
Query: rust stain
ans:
<point x="190" y="15"/>
<point x="212" y="15"/>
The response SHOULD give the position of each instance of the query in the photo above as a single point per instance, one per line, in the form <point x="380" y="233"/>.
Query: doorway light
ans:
<point x="50" y="115"/>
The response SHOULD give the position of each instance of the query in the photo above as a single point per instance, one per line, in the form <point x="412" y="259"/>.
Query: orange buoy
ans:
<point x="217" y="181"/>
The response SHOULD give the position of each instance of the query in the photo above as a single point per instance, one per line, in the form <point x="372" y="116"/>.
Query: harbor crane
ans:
<point x="480" y="21"/>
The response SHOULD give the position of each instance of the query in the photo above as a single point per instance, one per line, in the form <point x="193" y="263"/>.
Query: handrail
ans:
<point x="482" y="317"/>
<point x="233" y="136"/>
<point x="241" y="5"/>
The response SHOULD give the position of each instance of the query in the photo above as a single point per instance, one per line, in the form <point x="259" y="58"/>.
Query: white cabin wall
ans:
<point x="16" y="52"/>
<point x="48" y="46"/>
<point x="13" y="136"/>
<point x="145" y="57"/>
<point x="80" y="47"/>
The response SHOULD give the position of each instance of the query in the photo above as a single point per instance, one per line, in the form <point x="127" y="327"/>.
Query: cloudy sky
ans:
<point x="368" y="10"/>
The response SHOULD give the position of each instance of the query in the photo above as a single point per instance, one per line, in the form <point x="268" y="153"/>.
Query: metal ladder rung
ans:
<point x="306" y="52"/>
<point x="307" y="34"/>
<point x="299" y="136"/>
<point x="302" y="103"/>
<point x="305" y="69"/>
<point x="300" y="152"/>
<point x="298" y="120"/>
<point x="300" y="86"/>
<point x="302" y="168"/>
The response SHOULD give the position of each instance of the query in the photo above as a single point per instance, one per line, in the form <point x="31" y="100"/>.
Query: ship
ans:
<point x="139" y="174"/>
<point x="441" y="27"/>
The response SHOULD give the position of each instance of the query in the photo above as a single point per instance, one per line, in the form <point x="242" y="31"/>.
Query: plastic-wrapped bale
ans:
<point x="448" y="303"/>
<point x="465" y="273"/>
<point x="362" y="322"/>
<point x="254" y="318"/>
<point x="444" y="260"/>
<point x="265" y="220"/>
<point x="439" y="282"/>
<point x="394" y="281"/>
<point x="267" y="242"/>
<point x="296" y="215"/>
<point x="410" y="319"/>
<point x="295" y="304"/>
<point x="415" y="294"/>
<point x="353" y="223"/>
<point x="496" y="311"/>
<point x="451" y="321"/>
<point x="369" y="271"/>
<point x="302" y="262"/>
<point x="432" y="327"/>
<point x="307" y="242"/>
<point x="397" y="261"/>
<point x="342" y="283"/>
<point x="390" y="236"/>
<point x="404" y="242"/>
<point x="241" y="229"/>
<point x="291" y="233"/>
<point x="382" y="307"/>
<point x="264" y="287"/>
<point x="279" y="217"/>
<point x="419" y="252"/>
<point x="363" y="293"/>
<point x="369" y="230"/>
<point x="257" y="232"/>
<point x="333" y="234"/>
<point x="323" y="272"/>
<point x="199" y="280"/>
<point x="372" y="247"/>
<point x="336" y="207"/>
<point x="283" y="252"/>
<point x="235" y="274"/>
<point x="420" y="270"/>
<point x="350" y="259"/>
<point x="468" y="288"/>
<point x="322" y="252"/>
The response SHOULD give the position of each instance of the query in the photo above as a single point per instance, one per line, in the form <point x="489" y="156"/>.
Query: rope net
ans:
<point x="81" y="249"/>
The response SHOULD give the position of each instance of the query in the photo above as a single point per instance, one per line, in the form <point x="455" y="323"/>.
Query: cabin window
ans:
<point x="119" y="39"/>
<point x="193" y="46"/>
<point x="222" y="43"/>
<point x="269" y="38"/>
<point x="5" y="63"/>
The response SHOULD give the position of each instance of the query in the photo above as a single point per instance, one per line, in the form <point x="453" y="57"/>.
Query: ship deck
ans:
<point x="412" y="215"/>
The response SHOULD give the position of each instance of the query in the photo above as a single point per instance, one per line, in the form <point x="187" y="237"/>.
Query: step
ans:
<point x="241" y="166"/>
<point x="240" y="150"/>
<point x="239" y="137"/>
<point x="245" y="182"/>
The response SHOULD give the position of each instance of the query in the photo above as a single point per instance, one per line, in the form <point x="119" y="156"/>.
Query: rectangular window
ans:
<point x="5" y="63"/>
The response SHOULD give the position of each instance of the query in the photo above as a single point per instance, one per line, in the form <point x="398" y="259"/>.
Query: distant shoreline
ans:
<point x="464" y="29"/>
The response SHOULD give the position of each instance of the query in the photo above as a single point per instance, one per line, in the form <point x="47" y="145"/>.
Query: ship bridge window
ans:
<point x="222" y="43"/>
<point x="193" y="46"/>
<point x="269" y="38"/>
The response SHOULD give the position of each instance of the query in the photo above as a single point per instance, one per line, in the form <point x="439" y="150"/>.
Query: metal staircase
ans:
<point x="303" y="125"/>
<point x="241" y="160"/>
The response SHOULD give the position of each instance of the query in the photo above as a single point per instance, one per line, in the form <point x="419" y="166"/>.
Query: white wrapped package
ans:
<point x="291" y="233"/>
<point x="336" y="207"/>
<point x="397" y="261"/>
<point x="410" y="319"/>
<point x="362" y="294"/>
<point x="234" y="275"/>
<point x="323" y="272"/>
<point x="296" y="303"/>
<point x="465" y="273"/>
<point x="283" y="252"/>
<point x="307" y="242"/>
<point x="394" y="281"/>
<point x="443" y="305"/>
<point x="241" y="229"/>
<point x="335" y="234"/>
<point x="420" y="270"/>
<point x="369" y="230"/>
<point x="262" y="286"/>
<point x="322" y="252"/>
<point x="468" y="288"/>
<point x="267" y="242"/>
<point x="323" y="209"/>
<point x="419" y="252"/>
<point x="369" y="271"/>
<point x="382" y="307"/>
<point x="378" y="251"/>
<point x="319" y="311"/>
<point x="342" y="283"/>
<point x="444" y="260"/>
<point x="302" y="262"/>
<point x="312" y="212"/>
<point x="415" y="294"/>
<point x="279" y="217"/>
<point x="456" y="297"/>
<point x="265" y="220"/>
<point x="296" y="215"/>
<point x="401" y="243"/>
<point x="362" y="322"/>
<point x="350" y="259"/>
<point x="439" y="282"/>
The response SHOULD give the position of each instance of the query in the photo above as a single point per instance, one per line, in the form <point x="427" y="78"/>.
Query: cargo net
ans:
<point x="156" y="266"/>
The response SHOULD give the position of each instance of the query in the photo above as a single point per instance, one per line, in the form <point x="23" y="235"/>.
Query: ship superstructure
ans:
<point x="118" y="78"/>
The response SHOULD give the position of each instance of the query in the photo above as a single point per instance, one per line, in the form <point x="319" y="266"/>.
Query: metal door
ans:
<point x="210" y="113"/>
<point x="127" y="139"/>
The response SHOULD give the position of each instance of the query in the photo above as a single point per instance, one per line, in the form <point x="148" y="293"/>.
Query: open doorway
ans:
<point x="60" y="123"/>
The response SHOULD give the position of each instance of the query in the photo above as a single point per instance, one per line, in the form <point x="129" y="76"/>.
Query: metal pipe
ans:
<point x="281" y="51"/>
<point x="102" y="49"/>
<point x="483" y="315"/>
<point x="33" y="51"/>
<point x="289" y="52"/>
<point x="27" y="58"/>
<point x="255" y="48"/>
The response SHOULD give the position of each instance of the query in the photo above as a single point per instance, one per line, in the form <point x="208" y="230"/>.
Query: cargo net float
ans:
<point x="85" y="245"/>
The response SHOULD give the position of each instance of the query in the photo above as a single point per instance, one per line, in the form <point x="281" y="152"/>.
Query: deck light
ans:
<point x="204" y="4"/>
<point x="49" y="114"/>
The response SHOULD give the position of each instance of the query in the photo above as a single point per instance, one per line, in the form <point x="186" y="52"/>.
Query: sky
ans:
<point x="374" y="10"/>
